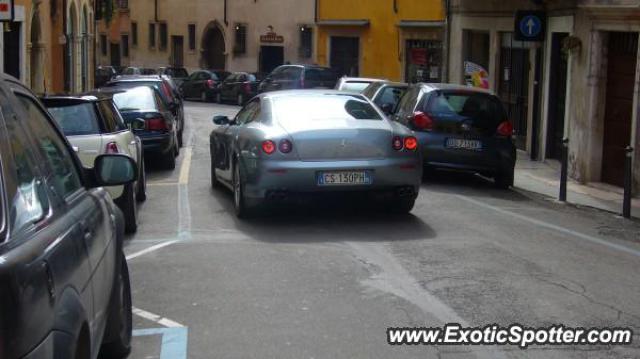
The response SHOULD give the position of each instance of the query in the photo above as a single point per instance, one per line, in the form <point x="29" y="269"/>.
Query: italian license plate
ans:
<point x="464" y="144"/>
<point x="337" y="178"/>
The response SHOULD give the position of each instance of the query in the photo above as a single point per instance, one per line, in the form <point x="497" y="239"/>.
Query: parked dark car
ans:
<point x="105" y="74"/>
<point x="171" y="98"/>
<point x="93" y="125"/>
<point x="239" y="87"/>
<point x="203" y="84"/>
<point x="160" y="133"/>
<point x="288" y="77"/>
<point x="460" y="128"/>
<point x="63" y="275"/>
<point x="386" y="94"/>
<point x="178" y="74"/>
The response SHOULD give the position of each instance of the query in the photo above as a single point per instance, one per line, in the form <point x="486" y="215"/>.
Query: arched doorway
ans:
<point x="36" y="65"/>
<point x="84" y="49"/>
<point x="213" y="47"/>
<point x="70" y="50"/>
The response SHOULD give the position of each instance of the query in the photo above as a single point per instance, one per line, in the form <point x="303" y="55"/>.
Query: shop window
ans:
<point x="240" y="45"/>
<point x="423" y="61"/>
<point x="192" y="37"/>
<point x="306" y="42"/>
<point x="163" y="35"/>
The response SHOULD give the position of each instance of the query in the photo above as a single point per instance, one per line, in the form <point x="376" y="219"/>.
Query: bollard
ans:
<point x="563" y="170"/>
<point x="628" y="179"/>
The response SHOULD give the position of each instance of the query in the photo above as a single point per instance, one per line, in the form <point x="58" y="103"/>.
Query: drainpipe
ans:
<point x="226" y="23"/>
<point x="447" y="40"/>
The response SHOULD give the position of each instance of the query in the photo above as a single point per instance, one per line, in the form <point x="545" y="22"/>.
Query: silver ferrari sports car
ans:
<point x="303" y="142"/>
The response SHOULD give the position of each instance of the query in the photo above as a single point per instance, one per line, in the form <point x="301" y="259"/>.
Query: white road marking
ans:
<point x="156" y="318"/>
<point x="150" y="249"/>
<point x="185" y="168"/>
<point x="554" y="227"/>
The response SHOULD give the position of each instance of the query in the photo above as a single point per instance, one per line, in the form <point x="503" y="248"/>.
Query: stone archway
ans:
<point x="213" y="47"/>
<point x="36" y="63"/>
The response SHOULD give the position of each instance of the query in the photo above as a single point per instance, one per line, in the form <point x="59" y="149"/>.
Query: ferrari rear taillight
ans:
<point x="410" y="143"/>
<point x="156" y="124"/>
<point x="268" y="147"/>
<point x="422" y="121"/>
<point x="505" y="129"/>
<point x="112" y="148"/>
<point x="397" y="143"/>
<point x="210" y="83"/>
<point x="285" y="146"/>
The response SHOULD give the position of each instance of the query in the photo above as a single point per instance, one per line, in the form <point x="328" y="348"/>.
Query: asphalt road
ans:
<point x="326" y="282"/>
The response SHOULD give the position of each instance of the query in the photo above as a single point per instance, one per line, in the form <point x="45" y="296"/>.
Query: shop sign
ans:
<point x="6" y="10"/>
<point x="272" y="37"/>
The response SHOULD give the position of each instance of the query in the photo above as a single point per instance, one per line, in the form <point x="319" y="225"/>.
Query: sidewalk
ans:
<point x="544" y="178"/>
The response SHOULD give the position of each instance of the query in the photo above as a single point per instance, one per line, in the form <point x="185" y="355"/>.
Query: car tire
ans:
<point x="130" y="209"/>
<point x="169" y="160"/>
<point x="504" y="179"/>
<point x="219" y="98"/>
<point x="402" y="206"/>
<point x="239" y="201"/>
<point x="214" y="180"/>
<point x="240" y="99"/>
<point x="141" y="194"/>
<point x="120" y="316"/>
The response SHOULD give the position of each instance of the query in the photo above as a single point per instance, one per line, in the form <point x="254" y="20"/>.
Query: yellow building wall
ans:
<point x="381" y="43"/>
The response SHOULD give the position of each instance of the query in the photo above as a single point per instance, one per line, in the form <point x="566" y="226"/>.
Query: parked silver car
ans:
<point x="289" y="143"/>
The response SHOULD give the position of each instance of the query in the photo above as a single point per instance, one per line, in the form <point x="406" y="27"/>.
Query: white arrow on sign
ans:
<point x="530" y="25"/>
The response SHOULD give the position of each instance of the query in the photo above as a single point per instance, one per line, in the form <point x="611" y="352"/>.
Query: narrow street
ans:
<point x="327" y="282"/>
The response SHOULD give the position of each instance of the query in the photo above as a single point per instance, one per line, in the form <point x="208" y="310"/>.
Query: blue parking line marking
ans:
<point x="174" y="341"/>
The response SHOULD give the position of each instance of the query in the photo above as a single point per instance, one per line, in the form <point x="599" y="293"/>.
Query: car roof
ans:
<point x="137" y="78"/>
<point x="360" y="79"/>
<point x="317" y="92"/>
<point x="454" y="87"/>
<point x="73" y="99"/>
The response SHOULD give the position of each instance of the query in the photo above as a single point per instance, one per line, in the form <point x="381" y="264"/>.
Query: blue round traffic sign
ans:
<point x="530" y="26"/>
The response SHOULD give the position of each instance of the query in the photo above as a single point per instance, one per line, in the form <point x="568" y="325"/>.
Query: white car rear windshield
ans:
<point x="77" y="119"/>
<point x="293" y="109"/>
<point x="355" y="86"/>
<point x="136" y="99"/>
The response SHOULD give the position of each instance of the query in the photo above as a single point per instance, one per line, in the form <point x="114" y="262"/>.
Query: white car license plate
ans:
<point x="338" y="178"/>
<point x="461" y="143"/>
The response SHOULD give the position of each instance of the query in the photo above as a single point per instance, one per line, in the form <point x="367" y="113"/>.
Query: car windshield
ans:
<point x="354" y="86"/>
<point x="136" y="99"/>
<point x="77" y="119"/>
<point x="322" y="108"/>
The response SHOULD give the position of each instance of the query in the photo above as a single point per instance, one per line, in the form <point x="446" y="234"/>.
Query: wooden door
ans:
<point x="621" y="69"/>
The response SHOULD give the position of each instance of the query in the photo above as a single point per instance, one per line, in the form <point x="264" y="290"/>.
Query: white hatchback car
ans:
<point x="93" y="125"/>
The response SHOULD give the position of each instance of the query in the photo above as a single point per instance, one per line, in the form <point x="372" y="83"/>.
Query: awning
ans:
<point x="361" y="22"/>
<point x="418" y="23"/>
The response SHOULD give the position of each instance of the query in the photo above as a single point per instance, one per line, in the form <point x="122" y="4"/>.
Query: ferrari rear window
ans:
<point x="76" y="120"/>
<point x="323" y="107"/>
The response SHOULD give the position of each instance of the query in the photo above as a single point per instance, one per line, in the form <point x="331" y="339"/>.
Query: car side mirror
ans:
<point x="221" y="120"/>
<point x="387" y="108"/>
<point x="114" y="170"/>
<point x="138" y="124"/>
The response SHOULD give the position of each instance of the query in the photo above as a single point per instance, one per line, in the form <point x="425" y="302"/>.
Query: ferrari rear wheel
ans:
<point x="239" y="200"/>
